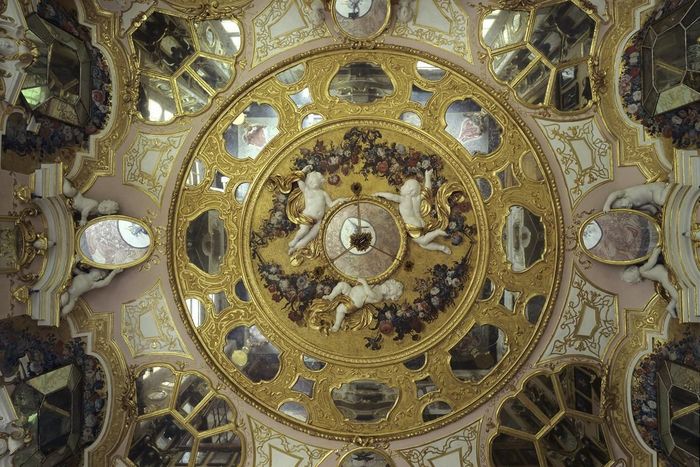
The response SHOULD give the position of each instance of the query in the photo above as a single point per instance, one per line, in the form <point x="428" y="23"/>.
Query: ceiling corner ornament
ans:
<point x="148" y="327"/>
<point x="459" y="449"/>
<point x="634" y="150"/>
<point x="99" y="160"/>
<point x="589" y="322"/>
<point x="284" y="24"/>
<point x="440" y="23"/>
<point x="275" y="448"/>
<point x="542" y="52"/>
<point x="582" y="152"/>
<point x="639" y="327"/>
<point x="101" y="328"/>
<point x="149" y="161"/>
<point x="371" y="249"/>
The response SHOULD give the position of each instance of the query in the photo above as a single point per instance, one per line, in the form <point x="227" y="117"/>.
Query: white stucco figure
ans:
<point x="409" y="199"/>
<point x="316" y="202"/>
<point x="647" y="197"/>
<point x="84" y="282"/>
<point x="653" y="272"/>
<point x="87" y="206"/>
<point x="361" y="295"/>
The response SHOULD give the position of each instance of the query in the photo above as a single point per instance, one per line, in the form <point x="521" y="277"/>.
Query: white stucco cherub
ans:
<point x="361" y="295"/>
<point x="653" y="272"/>
<point x="405" y="12"/>
<point x="316" y="202"/>
<point x="87" y="206"/>
<point x="84" y="282"/>
<point x="409" y="198"/>
<point x="648" y="197"/>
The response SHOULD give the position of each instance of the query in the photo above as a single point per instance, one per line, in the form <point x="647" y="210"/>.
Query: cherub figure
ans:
<point x="84" y="282"/>
<point x="316" y="202"/>
<point x="648" y="197"/>
<point x="654" y="272"/>
<point x="361" y="295"/>
<point x="87" y="206"/>
<point x="409" y="198"/>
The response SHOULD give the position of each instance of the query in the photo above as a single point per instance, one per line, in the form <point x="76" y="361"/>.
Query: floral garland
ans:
<point x="681" y="125"/>
<point x="46" y="353"/>
<point x="396" y="163"/>
<point x="392" y="161"/>
<point x="685" y="351"/>
<point x="54" y="135"/>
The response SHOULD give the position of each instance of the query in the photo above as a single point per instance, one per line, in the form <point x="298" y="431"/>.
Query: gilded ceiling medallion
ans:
<point x="343" y="271"/>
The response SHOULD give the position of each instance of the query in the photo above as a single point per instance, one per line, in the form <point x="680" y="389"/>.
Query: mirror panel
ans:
<point x="219" y="37"/>
<point x="619" y="236"/>
<point x="361" y="83"/>
<point x="252" y="353"/>
<point x="361" y="19"/>
<point x="430" y="72"/>
<point x="478" y="352"/>
<point x="207" y="241"/>
<point x="473" y="127"/>
<point x="508" y="65"/>
<point x="365" y="401"/>
<point x="366" y="457"/>
<point x="504" y="27"/>
<point x="154" y="389"/>
<point x="190" y="393"/>
<point x="532" y="89"/>
<point x="436" y="410"/>
<point x="291" y="75"/>
<point x="197" y="311"/>
<point x="114" y="242"/>
<point x="523" y="238"/>
<point x="158" y="440"/>
<point x="251" y="131"/>
<point x="295" y="410"/>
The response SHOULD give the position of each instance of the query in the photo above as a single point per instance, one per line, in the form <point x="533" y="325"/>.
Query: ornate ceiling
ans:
<point x="349" y="233"/>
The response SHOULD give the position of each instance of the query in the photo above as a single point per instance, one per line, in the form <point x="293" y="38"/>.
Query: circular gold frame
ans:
<point x="540" y="198"/>
<point x="379" y="32"/>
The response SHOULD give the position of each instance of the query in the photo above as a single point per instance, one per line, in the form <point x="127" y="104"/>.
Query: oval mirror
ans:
<point x="114" y="242"/>
<point x="619" y="236"/>
<point x="361" y="19"/>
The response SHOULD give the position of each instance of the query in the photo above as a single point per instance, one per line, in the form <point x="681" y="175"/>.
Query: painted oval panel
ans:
<point x="361" y="19"/>
<point x="620" y="236"/>
<point x="112" y="242"/>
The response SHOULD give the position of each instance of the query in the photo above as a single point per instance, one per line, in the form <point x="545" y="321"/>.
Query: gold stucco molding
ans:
<point x="99" y="328"/>
<point x="639" y="328"/>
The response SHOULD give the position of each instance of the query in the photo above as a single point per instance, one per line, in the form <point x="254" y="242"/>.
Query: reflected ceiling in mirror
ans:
<point x="619" y="236"/>
<point x="361" y="19"/>
<point x="114" y="242"/>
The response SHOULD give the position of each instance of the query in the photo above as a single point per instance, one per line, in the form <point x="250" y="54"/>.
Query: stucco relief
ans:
<point x="588" y="322"/>
<point x="149" y="160"/>
<point x="284" y="24"/>
<point x="440" y="23"/>
<point x="584" y="155"/>
<point x="148" y="327"/>
<point x="273" y="449"/>
<point x="460" y="449"/>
